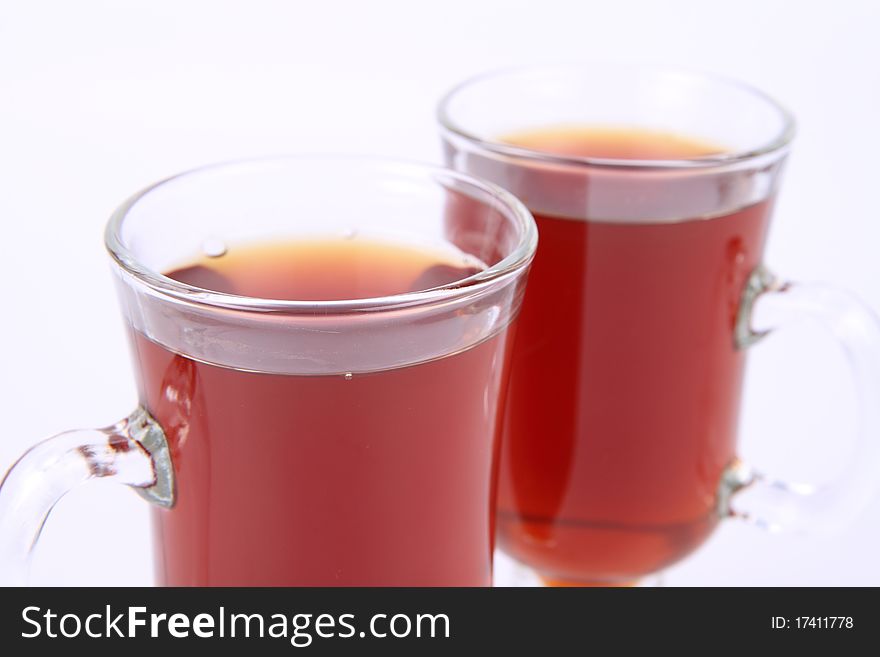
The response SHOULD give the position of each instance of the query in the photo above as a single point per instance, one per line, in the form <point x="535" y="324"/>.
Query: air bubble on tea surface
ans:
<point x="214" y="248"/>
<point x="348" y="376"/>
<point x="349" y="234"/>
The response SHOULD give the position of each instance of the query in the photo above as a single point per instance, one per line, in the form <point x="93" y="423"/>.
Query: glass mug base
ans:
<point x="512" y="573"/>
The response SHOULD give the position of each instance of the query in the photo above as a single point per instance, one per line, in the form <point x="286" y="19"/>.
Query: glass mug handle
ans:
<point x="133" y="452"/>
<point x="768" y="304"/>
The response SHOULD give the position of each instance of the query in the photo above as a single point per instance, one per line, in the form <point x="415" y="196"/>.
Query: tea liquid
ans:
<point x="625" y="389"/>
<point x="377" y="478"/>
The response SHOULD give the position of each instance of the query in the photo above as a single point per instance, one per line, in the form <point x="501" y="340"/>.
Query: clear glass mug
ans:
<point x="648" y="289"/>
<point x="302" y="442"/>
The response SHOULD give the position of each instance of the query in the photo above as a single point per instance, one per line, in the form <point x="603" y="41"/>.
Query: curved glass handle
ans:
<point x="769" y="304"/>
<point x="133" y="451"/>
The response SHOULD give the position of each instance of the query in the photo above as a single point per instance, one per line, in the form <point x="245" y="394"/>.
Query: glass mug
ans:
<point x="338" y="442"/>
<point x="619" y="442"/>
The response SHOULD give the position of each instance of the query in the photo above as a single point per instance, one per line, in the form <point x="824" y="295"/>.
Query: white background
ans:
<point x="99" y="98"/>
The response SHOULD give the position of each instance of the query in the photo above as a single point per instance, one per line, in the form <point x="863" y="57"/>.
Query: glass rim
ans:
<point x="778" y="144"/>
<point x="519" y="257"/>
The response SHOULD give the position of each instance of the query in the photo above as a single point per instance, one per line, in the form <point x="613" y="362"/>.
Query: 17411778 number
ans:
<point x="812" y="622"/>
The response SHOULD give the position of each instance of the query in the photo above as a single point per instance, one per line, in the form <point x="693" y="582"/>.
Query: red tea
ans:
<point x="625" y="383"/>
<point x="378" y="478"/>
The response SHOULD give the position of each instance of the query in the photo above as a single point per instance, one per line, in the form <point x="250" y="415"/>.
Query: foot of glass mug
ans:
<point x="509" y="572"/>
<point x="650" y="581"/>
